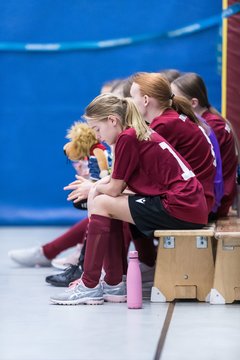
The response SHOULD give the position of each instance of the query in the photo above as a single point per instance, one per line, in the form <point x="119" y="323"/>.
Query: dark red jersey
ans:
<point x="193" y="144"/>
<point x="154" y="167"/>
<point x="229" y="158"/>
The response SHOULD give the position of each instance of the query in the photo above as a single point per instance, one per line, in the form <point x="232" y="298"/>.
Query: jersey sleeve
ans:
<point x="126" y="158"/>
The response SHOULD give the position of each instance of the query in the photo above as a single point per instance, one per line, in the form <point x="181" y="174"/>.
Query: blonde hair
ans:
<point x="158" y="87"/>
<point x="108" y="104"/>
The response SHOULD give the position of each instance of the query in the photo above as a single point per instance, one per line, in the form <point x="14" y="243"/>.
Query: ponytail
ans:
<point x="158" y="87"/>
<point x="106" y="104"/>
<point x="182" y="106"/>
<point x="134" y="120"/>
<point x="191" y="85"/>
<point x="214" y="111"/>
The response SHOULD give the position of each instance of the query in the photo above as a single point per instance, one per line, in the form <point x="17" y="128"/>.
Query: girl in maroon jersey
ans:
<point x="191" y="86"/>
<point x="177" y="123"/>
<point x="172" y="117"/>
<point x="163" y="192"/>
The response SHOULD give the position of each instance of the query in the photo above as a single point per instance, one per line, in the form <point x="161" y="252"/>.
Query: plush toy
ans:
<point x="83" y="143"/>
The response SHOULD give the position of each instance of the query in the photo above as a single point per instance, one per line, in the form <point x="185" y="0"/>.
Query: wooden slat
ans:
<point x="206" y="231"/>
<point x="227" y="234"/>
<point x="228" y="230"/>
<point x="231" y="242"/>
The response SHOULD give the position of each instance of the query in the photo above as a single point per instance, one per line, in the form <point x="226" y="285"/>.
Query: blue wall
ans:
<point x="42" y="94"/>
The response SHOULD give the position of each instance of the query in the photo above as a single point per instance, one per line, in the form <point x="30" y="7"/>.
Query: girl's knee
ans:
<point x="100" y="203"/>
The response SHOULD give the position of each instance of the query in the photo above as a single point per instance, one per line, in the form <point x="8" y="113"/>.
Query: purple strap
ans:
<point x="218" y="180"/>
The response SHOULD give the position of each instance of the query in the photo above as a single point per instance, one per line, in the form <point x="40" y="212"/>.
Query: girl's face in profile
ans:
<point x="106" y="130"/>
<point x="138" y="98"/>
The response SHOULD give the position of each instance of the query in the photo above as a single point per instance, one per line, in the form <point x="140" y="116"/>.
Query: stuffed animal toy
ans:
<point x="83" y="143"/>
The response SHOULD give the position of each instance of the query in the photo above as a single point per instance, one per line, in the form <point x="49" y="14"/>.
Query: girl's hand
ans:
<point x="80" y="189"/>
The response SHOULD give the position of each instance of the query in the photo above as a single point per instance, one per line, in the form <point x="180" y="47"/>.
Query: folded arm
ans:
<point x="113" y="188"/>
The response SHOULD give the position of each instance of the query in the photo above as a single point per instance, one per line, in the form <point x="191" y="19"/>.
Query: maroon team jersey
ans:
<point x="229" y="158"/>
<point x="192" y="143"/>
<point x="153" y="167"/>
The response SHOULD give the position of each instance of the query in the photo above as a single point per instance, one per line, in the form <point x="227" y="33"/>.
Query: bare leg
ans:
<point x="113" y="207"/>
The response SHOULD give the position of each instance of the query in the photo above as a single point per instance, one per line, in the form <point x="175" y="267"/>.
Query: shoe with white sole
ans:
<point x="78" y="294"/>
<point x="72" y="259"/>
<point x="115" y="293"/>
<point x="30" y="257"/>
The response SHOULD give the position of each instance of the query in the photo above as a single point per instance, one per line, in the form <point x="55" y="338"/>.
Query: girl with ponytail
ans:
<point x="106" y="104"/>
<point x="193" y="88"/>
<point x="151" y="187"/>
<point x="172" y="117"/>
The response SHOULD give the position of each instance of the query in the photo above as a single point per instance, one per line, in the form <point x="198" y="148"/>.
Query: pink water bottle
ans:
<point x="134" y="282"/>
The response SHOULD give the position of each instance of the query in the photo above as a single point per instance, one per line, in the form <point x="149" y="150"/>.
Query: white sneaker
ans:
<point x="29" y="257"/>
<point x="72" y="259"/>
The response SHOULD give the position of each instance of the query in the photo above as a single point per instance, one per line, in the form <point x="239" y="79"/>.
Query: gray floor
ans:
<point x="32" y="329"/>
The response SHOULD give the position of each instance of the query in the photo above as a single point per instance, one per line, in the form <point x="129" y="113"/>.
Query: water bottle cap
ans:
<point x="133" y="254"/>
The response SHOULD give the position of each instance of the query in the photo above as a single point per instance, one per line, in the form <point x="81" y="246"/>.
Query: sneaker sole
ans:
<point x="27" y="265"/>
<point x="99" y="301"/>
<point x="57" y="284"/>
<point x="115" y="298"/>
<point x="60" y="267"/>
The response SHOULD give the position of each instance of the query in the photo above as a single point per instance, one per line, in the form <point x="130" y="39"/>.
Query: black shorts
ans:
<point x="149" y="215"/>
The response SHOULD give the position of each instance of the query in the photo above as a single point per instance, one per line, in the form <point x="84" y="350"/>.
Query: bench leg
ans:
<point x="226" y="285"/>
<point x="157" y="296"/>
<point x="184" y="271"/>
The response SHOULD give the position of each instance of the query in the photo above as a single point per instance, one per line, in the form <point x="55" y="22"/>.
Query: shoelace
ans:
<point x="74" y="283"/>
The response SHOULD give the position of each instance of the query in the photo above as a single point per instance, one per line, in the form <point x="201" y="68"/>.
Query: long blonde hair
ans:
<point x="158" y="87"/>
<point x="108" y="104"/>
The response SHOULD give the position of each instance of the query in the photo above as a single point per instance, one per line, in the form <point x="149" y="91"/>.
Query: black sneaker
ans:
<point x="72" y="273"/>
<point x="81" y="205"/>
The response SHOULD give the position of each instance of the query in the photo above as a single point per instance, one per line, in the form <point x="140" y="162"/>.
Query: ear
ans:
<point x="194" y="103"/>
<point x="146" y="100"/>
<point x="113" y="119"/>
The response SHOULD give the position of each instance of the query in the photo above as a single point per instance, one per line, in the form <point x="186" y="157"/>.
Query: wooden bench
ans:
<point x="226" y="285"/>
<point x="185" y="265"/>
